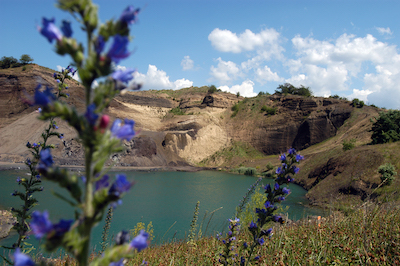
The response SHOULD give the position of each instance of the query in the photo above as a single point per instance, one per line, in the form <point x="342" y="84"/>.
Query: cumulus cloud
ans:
<point x="245" y="89"/>
<point x="265" y="74"/>
<point x="225" y="72"/>
<point x="227" y="41"/>
<point x="328" y="66"/>
<point x="187" y="63"/>
<point x="384" y="31"/>
<point x="156" y="79"/>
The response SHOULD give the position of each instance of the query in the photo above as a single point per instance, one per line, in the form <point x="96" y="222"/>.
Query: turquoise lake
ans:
<point x="167" y="199"/>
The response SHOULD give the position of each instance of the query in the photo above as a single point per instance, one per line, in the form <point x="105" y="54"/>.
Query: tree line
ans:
<point x="9" y="61"/>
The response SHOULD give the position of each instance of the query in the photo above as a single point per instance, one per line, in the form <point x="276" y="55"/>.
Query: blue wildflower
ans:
<point x="120" y="185"/>
<point x="276" y="186"/>
<point x="268" y="204"/>
<point x="90" y="114"/>
<point x="119" y="263"/>
<point x="43" y="97"/>
<point x="282" y="157"/>
<point x="140" y="241"/>
<point x="257" y="258"/>
<point x="99" y="44"/>
<point x="40" y="224"/>
<point x="45" y="158"/>
<point x="129" y="15"/>
<point x="292" y="151"/>
<point x="119" y="49"/>
<point x="267" y="188"/>
<point x="123" y="132"/>
<point x="102" y="182"/>
<point x="123" y="75"/>
<point x="299" y="157"/>
<point x="21" y="259"/>
<point x="252" y="225"/>
<point x="266" y="232"/>
<point x="62" y="227"/>
<point x="66" y="28"/>
<point x="295" y="169"/>
<point x="281" y="198"/>
<point x="285" y="190"/>
<point x="50" y="31"/>
<point x="261" y="241"/>
<point x="245" y="245"/>
<point x="278" y="171"/>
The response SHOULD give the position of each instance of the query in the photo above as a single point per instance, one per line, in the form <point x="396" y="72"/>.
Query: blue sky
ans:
<point x="349" y="48"/>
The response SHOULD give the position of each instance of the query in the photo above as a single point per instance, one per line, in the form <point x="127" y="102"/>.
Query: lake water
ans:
<point x="164" y="198"/>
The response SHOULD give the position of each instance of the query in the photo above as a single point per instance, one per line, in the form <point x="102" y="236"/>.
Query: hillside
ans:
<point x="194" y="127"/>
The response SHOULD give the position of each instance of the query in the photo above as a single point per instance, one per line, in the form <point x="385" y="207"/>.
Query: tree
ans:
<point x="288" y="88"/>
<point x="8" y="61"/>
<point x="25" y="59"/>
<point x="386" y="128"/>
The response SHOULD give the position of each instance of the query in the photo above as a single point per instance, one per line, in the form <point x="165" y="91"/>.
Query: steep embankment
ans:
<point x="195" y="126"/>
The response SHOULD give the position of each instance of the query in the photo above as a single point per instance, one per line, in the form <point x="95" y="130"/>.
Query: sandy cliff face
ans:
<point x="165" y="139"/>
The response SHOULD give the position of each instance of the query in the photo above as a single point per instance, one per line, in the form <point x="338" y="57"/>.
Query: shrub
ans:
<point x="348" y="144"/>
<point x="357" y="103"/>
<point x="25" y="59"/>
<point x="268" y="110"/>
<point x="212" y="89"/>
<point x="386" y="128"/>
<point x="387" y="172"/>
<point x="288" y="88"/>
<point x="177" y="111"/>
<point x="8" y="61"/>
<point x="247" y="171"/>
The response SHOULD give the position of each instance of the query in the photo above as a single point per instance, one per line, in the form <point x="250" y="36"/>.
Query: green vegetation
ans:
<point x="10" y="62"/>
<point x="288" y="88"/>
<point x="357" y="103"/>
<point x="348" y="144"/>
<point x="338" y="97"/>
<point x="237" y="149"/>
<point x="326" y="241"/>
<point x="388" y="173"/>
<point x="386" y="128"/>
<point x="213" y="89"/>
<point x="247" y="171"/>
<point x="268" y="110"/>
<point x="177" y="111"/>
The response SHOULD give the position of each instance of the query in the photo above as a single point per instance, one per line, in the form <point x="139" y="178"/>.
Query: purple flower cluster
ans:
<point x="125" y="131"/>
<point x="51" y="32"/>
<point x="21" y="259"/>
<point x="275" y="194"/>
<point x="119" y="49"/>
<point x="45" y="97"/>
<point x="140" y="242"/>
<point x="41" y="225"/>
<point x="129" y="15"/>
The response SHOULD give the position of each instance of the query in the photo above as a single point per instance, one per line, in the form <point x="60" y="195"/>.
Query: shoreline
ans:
<point x="188" y="168"/>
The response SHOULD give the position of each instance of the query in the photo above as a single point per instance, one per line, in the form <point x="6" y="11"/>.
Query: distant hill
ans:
<point x="200" y="127"/>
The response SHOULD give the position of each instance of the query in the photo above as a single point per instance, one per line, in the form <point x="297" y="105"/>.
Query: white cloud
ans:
<point x="360" y="94"/>
<point x="265" y="74"/>
<point x="333" y="65"/>
<point x="245" y="89"/>
<point x="156" y="79"/>
<point x="187" y="63"/>
<point x="225" y="72"/>
<point x="227" y="41"/>
<point x="384" y="31"/>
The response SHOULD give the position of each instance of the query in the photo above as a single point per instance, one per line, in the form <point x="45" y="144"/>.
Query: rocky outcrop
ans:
<point x="299" y="123"/>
